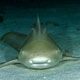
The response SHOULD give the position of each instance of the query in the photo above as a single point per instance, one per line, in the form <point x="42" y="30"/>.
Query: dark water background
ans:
<point x="39" y="3"/>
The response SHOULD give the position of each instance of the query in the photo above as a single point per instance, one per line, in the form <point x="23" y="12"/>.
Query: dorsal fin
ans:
<point x="38" y="27"/>
<point x="38" y="24"/>
<point x="38" y="31"/>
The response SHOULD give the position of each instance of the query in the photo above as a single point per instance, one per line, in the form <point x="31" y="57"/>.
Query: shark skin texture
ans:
<point x="37" y="50"/>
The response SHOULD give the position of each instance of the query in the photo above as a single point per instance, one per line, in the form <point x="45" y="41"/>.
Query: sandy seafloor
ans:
<point x="66" y="34"/>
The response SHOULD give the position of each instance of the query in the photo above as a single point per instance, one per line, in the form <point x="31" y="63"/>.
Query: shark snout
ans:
<point x="39" y="63"/>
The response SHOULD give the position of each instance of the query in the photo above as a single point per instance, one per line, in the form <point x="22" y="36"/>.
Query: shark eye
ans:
<point x="22" y="52"/>
<point x="57" y="51"/>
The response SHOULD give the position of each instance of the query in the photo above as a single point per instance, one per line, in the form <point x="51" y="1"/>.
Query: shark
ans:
<point x="38" y="50"/>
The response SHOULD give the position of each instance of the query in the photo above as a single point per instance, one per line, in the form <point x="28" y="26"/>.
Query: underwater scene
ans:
<point x="39" y="40"/>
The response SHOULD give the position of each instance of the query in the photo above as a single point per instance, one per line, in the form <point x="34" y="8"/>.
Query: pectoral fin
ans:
<point x="15" y="61"/>
<point x="14" y="39"/>
<point x="67" y="58"/>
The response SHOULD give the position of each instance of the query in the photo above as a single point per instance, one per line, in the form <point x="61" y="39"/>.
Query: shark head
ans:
<point x="39" y="51"/>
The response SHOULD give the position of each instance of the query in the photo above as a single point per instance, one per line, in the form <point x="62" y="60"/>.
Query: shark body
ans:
<point x="38" y="50"/>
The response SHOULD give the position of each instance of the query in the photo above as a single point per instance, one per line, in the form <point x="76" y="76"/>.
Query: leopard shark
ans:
<point x="38" y="50"/>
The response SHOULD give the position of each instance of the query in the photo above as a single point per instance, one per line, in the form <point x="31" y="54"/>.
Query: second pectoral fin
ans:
<point x="15" y="61"/>
<point x="70" y="58"/>
<point x="14" y="39"/>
